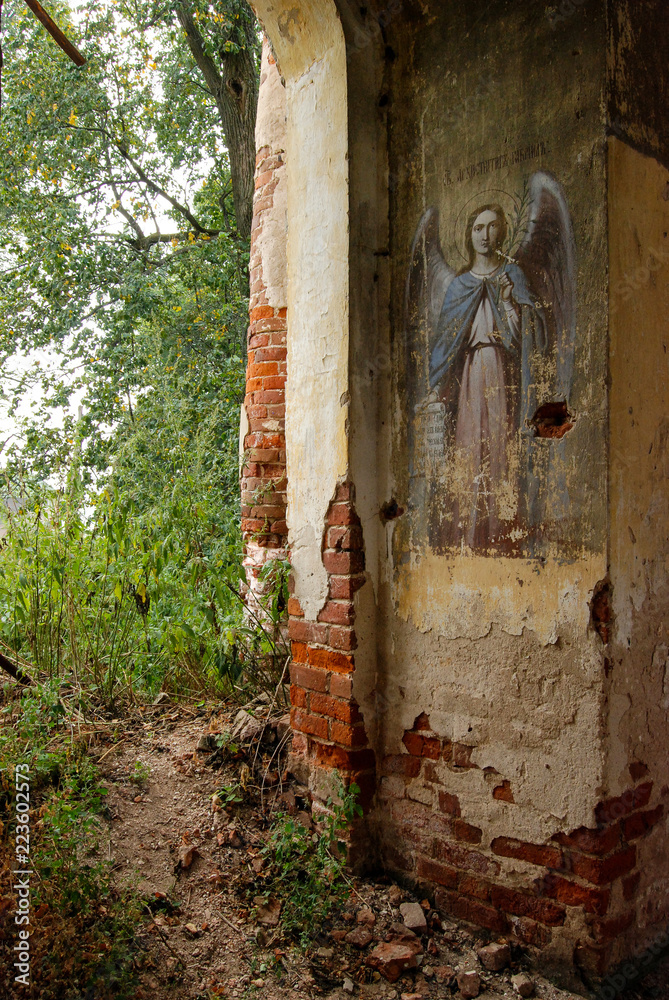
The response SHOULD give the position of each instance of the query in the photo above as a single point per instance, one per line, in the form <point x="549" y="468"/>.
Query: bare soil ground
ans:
<point x="205" y="939"/>
<point x="188" y="823"/>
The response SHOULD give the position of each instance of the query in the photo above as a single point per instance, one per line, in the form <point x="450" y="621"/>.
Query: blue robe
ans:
<point x="461" y="303"/>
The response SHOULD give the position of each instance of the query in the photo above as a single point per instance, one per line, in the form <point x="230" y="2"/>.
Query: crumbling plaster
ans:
<point x="308" y="40"/>
<point x="271" y="134"/>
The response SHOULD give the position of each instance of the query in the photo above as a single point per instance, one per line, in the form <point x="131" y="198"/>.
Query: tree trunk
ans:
<point x="235" y="90"/>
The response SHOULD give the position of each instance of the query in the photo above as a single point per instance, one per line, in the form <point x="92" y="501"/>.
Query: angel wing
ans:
<point x="427" y="282"/>
<point x="547" y="255"/>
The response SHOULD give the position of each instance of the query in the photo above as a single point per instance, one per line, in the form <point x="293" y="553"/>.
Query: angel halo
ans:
<point x="494" y="341"/>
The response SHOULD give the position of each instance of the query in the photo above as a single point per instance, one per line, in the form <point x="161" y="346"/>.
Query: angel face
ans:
<point x="487" y="233"/>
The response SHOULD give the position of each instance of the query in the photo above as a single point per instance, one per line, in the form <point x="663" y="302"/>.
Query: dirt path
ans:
<point x="197" y="866"/>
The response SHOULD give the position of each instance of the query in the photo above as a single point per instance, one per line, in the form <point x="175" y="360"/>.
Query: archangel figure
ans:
<point x="498" y="342"/>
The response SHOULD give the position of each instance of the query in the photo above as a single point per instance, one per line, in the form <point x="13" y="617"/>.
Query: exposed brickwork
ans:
<point x="263" y="479"/>
<point x="324" y="711"/>
<point x="512" y="886"/>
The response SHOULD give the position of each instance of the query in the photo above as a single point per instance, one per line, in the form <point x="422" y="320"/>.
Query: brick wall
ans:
<point x="511" y="886"/>
<point x="328" y="729"/>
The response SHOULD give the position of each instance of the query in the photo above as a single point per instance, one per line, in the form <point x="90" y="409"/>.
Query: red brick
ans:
<point x="346" y="760"/>
<point x="463" y="858"/>
<point x="312" y="725"/>
<point x="345" y="711"/>
<point x="253" y="385"/>
<point x="337" y="613"/>
<point x="349" y="736"/>
<point x="470" y="885"/>
<point x="300" y="654"/>
<point x="640" y="823"/>
<point x="503" y="792"/>
<point x="547" y="857"/>
<point x="344" y="587"/>
<point x="261" y="313"/>
<point x="341" y="685"/>
<point x="530" y="932"/>
<point x="625" y="804"/>
<point x="462" y="755"/>
<point x="298" y="696"/>
<point x="342" y="513"/>
<point x="304" y="631"/>
<point x="252" y="526"/>
<point x="403" y="764"/>
<point x="344" y="492"/>
<point x="307" y="677"/>
<point x="274" y="382"/>
<point x="470" y="910"/>
<point x="422" y="746"/>
<point x="262" y="369"/>
<point x="343" y="638"/>
<point x="449" y="803"/>
<point x="343" y="563"/>
<point x="295" y="608"/>
<point x="431" y="774"/>
<point x="344" y="538"/>
<point x="279" y="528"/>
<point x="541" y="910"/>
<point x="574" y="894"/>
<point x="434" y="872"/>
<point x="470" y="834"/>
<point x="329" y="659"/>
<point x="602" y="871"/>
<point x="271" y="354"/>
<point x="599" y="842"/>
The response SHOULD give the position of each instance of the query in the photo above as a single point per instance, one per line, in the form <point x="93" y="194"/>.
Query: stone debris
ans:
<point x="392" y="959"/>
<point x="469" y="984"/>
<point x="396" y="895"/>
<point x="413" y="916"/>
<point x="494" y="957"/>
<point x="444" y="973"/>
<point x="523" y="984"/>
<point x="359" y="937"/>
<point x="348" y="985"/>
<point x="402" y="935"/>
<point x="366" y="916"/>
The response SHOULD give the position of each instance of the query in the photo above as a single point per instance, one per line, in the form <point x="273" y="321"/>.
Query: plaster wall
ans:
<point x="638" y="696"/>
<point x="309" y="45"/>
<point x="498" y="652"/>
<point x="271" y="135"/>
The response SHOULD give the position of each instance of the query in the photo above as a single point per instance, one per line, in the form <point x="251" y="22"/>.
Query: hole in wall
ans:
<point x="390" y="511"/>
<point x="601" y="614"/>
<point x="552" y="420"/>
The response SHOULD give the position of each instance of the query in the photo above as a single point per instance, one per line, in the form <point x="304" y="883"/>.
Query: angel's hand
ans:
<point x="506" y="285"/>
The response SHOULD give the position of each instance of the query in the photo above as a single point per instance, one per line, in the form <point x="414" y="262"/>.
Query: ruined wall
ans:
<point x="638" y="654"/>
<point x="478" y="637"/>
<point x="262" y="433"/>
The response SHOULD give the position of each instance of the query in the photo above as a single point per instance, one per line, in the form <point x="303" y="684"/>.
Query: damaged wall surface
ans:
<point x="476" y="436"/>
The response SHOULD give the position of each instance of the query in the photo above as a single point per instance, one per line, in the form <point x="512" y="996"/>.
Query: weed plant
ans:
<point x="128" y="602"/>
<point x="308" y="870"/>
<point x="83" y="929"/>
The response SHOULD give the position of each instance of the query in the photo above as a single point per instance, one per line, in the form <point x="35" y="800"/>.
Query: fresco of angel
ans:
<point x="496" y="342"/>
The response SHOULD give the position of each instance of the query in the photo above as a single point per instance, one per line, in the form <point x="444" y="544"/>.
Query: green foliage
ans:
<point x="308" y="870"/>
<point x="117" y="239"/>
<point x="90" y="946"/>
